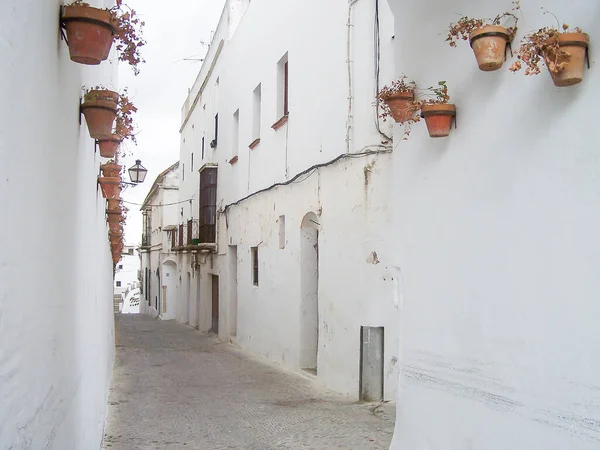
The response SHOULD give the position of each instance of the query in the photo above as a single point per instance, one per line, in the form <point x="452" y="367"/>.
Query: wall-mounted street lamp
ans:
<point x="137" y="173"/>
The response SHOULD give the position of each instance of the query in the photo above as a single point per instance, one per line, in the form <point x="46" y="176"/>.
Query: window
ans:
<point x="120" y="266"/>
<point x="130" y="251"/>
<point x="208" y="205"/>
<point x="283" y="109"/>
<point x="213" y="143"/>
<point x="118" y="283"/>
<point x="235" y="137"/>
<point x="281" y="232"/>
<point x="254" y="251"/>
<point x="256" y="113"/>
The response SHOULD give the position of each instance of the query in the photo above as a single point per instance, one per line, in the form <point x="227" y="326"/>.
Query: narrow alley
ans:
<point x="175" y="388"/>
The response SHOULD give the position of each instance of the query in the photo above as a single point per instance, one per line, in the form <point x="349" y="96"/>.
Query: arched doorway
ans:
<point x="169" y="289"/>
<point x="309" y="290"/>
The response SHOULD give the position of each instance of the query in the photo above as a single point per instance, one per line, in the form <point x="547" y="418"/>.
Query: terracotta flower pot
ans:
<point x="438" y="118"/>
<point x="111" y="169"/>
<point x="111" y="186"/>
<point x="489" y="45"/>
<point x="114" y="205"/>
<point x="114" y="217"/>
<point x="90" y="33"/>
<point x="115" y="227"/>
<point x="399" y="104"/>
<point x="100" y="111"/>
<point x="109" y="145"/>
<point x="576" y="45"/>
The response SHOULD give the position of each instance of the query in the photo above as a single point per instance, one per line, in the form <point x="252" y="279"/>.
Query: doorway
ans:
<point x="233" y="291"/>
<point x="309" y="290"/>
<point x="188" y="294"/>
<point x="215" y="304"/>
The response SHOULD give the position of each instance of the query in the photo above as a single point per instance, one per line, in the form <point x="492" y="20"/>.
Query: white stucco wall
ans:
<point x="163" y="212"/>
<point x="351" y="197"/>
<point x="56" y="311"/>
<point x="128" y="273"/>
<point x="498" y="247"/>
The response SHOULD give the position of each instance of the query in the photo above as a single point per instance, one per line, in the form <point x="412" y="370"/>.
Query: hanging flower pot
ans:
<point x="396" y="100"/>
<point x="100" y="110"/>
<point x="111" y="169"/>
<point x="489" y="45"/>
<point x="575" y="45"/>
<point x="90" y="33"/>
<point x="111" y="186"/>
<point x="114" y="217"/>
<point x="399" y="105"/>
<point x="438" y="117"/>
<point x="109" y="145"/>
<point x="564" y="52"/>
<point x="114" y="205"/>
<point x="115" y="227"/>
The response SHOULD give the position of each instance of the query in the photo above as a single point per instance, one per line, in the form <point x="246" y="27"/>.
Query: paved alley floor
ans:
<point x="175" y="388"/>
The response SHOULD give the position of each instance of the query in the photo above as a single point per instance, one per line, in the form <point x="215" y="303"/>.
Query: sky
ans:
<point x="160" y="89"/>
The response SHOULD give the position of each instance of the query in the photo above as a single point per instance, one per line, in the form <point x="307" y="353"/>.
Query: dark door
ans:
<point x="215" y="303"/>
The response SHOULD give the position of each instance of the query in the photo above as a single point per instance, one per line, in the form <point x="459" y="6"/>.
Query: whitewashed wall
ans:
<point x="56" y="312"/>
<point x="498" y="244"/>
<point x="128" y="273"/>
<point x="351" y="196"/>
<point x="166" y="194"/>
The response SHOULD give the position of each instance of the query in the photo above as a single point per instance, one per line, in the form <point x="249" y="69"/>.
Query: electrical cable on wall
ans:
<point x="165" y="204"/>
<point x="312" y="169"/>
<point x="377" y="40"/>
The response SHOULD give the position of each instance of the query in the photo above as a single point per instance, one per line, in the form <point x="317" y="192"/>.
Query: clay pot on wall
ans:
<point x="576" y="44"/>
<point x="489" y="45"/>
<point x="109" y="145"/>
<point x="114" y="205"/>
<point x="111" y="187"/>
<point x="399" y="105"/>
<point x="100" y="110"/>
<point x="114" y="217"/>
<point x="438" y="118"/>
<point x="111" y="170"/>
<point x="90" y="33"/>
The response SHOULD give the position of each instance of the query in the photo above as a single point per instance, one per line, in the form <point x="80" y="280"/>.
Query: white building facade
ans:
<point x="282" y="247"/>
<point x="496" y="235"/>
<point x="126" y="270"/>
<point x="160" y="213"/>
<point x="56" y="271"/>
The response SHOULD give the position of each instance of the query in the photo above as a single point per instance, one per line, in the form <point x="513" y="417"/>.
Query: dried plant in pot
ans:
<point x="111" y="169"/>
<point x="115" y="226"/>
<point x="114" y="205"/>
<point x="487" y="37"/>
<point x="92" y="31"/>
<point x="111" y="187"/>
<point x="109" y="144"/>
<point x="435" y="109"/>
<point x="99" y="108"/>
<point x="563" y="51"/>
<point x="394" y="100"/>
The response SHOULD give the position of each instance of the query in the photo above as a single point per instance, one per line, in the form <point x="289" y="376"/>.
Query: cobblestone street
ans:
<point x="175" y="388"/>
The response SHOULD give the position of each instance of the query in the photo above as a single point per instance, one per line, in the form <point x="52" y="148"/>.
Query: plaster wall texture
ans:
<point x="56" y="309"/>
<point x="497" y="244"/>
<point x="350" y="196"/>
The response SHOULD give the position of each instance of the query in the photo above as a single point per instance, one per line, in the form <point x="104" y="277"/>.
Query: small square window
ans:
<point x="118" y="284"/>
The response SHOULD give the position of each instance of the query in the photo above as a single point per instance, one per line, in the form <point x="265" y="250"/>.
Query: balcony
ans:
<point x="191" y="236"/>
